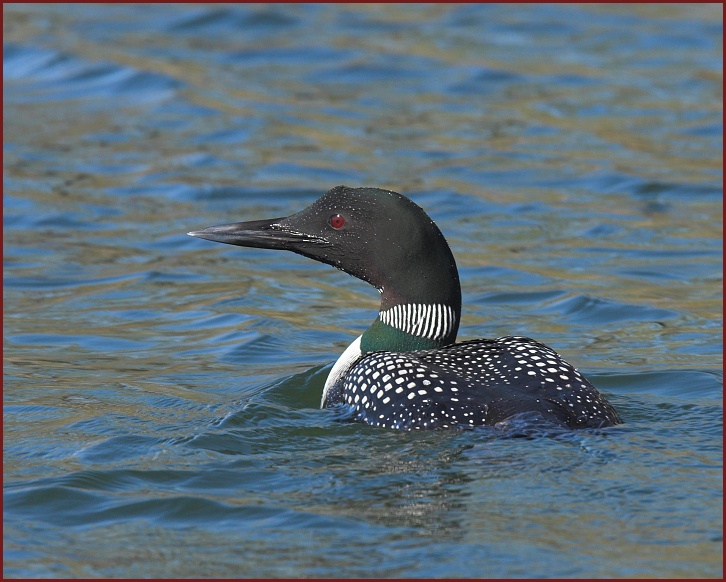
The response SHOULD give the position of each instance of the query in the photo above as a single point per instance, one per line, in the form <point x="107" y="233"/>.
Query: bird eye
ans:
<point x="336" y="221"/>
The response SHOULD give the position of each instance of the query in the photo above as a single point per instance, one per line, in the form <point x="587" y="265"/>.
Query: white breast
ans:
<point x="341" y="367"/>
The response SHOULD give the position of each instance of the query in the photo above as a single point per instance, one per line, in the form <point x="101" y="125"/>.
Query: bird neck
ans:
<point x="420" y="302"/>
<point x="405" y="327"/>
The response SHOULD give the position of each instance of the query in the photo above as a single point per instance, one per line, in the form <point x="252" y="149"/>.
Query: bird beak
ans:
<point x="271" y="233"/>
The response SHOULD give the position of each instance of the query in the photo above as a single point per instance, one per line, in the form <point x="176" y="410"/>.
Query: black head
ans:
<point x="376" y="235"/>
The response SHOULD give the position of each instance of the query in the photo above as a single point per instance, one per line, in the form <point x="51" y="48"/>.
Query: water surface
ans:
<point x="161" y="393"/>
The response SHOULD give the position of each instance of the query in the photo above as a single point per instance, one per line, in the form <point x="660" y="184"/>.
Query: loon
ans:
<point x="406" y="371"/>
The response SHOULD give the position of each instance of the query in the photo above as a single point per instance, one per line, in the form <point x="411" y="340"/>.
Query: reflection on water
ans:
<point x="161" y="396"/>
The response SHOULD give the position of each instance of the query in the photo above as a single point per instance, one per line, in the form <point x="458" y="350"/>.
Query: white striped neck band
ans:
<point x="433" y="322"/>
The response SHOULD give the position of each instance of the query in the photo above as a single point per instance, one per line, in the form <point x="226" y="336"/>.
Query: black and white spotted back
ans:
<point x="480" y="382"/>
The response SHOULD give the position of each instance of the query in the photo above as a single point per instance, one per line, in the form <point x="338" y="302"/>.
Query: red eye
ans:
<point x="336" y="221"/>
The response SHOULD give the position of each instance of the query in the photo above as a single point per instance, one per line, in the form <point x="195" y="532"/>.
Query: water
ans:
<point x="161" y="393"/>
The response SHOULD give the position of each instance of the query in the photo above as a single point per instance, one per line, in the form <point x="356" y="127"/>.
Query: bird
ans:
<point x="406" y="371"/>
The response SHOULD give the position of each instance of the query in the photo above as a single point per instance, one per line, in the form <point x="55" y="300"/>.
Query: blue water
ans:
<point x="161" y="393"/>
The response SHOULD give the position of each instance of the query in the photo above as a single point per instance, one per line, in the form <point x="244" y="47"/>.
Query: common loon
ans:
<point x="405" y="371"/>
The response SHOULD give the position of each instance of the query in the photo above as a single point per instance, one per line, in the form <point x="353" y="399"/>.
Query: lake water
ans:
<point x="161" y="393"/>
